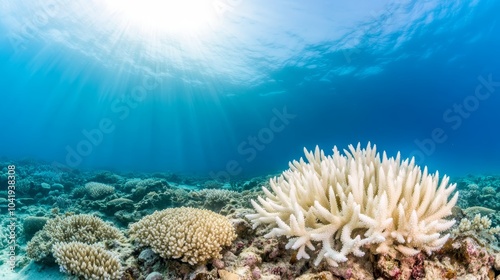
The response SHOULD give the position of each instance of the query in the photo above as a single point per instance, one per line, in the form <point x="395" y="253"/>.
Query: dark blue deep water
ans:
<point x="85" y="85"/>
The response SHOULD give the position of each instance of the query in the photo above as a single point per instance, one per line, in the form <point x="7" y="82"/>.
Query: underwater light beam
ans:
<point x="176" y="17"/>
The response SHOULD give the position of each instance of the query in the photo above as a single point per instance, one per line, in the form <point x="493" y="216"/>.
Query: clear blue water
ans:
<point x="83" y="90"/>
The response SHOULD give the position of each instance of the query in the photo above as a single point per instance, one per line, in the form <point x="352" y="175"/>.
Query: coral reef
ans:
<point x="193" y="235"/>
<point x="98" y="190"/>
<point x="81" y="228"/>
<point x="483" y="191"/>
<point x="480" y="229"/>
<point x="88" y="261"/>
<point x="212" y="184"/>
<point x="461" y="258"/>
<point x="216" y="200"/>
<point x="32" y="225"/>
<point x="478" y="225"/>
<point x="471" y="251"/>
<point x="139" y="188"/>
<point x="359" y="199"/>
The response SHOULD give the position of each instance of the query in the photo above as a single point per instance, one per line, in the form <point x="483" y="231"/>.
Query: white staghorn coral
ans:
<point x="357" y="200"/>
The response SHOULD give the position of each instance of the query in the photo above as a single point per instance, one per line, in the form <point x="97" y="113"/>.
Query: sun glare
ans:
<point x="180" y="17"/>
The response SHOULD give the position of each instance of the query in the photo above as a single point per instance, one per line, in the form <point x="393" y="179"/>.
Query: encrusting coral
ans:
<point x="356" y="200"/>
<point x="193" y="235"/>
<point x="89" y="261"/>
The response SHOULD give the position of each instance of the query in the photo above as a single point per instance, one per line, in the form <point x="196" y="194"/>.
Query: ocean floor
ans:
<point x="46" y="199"/>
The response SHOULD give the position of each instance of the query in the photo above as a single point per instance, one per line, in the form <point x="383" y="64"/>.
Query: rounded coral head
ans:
<point x="190" y="234"/>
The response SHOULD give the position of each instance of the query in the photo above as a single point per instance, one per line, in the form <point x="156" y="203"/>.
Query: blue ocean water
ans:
<point x="83" y="86"/>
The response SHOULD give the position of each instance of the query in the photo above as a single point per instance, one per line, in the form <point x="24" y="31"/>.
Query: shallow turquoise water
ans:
<point x="84" y="86"/>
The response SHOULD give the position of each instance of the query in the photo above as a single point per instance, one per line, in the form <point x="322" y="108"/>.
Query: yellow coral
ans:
<point x="193" y="235"/>
<point x="88" y="261"/>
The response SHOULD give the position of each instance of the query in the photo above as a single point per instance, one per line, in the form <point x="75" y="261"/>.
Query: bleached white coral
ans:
<point x="356" y="200"/>
<point x="479" y="224"/>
